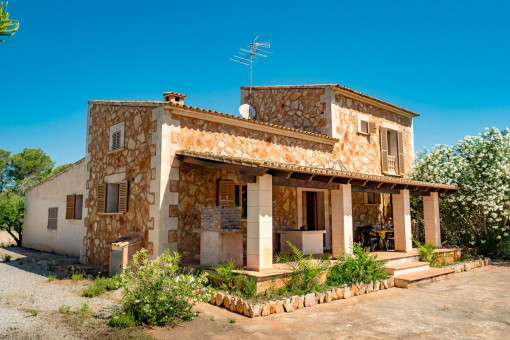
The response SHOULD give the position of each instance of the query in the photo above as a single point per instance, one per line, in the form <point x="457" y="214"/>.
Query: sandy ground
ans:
<point x="29" y="303"/>
<point x="473" y="305"/>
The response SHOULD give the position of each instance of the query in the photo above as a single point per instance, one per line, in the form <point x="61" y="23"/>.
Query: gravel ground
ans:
<point x="25" y="291"/>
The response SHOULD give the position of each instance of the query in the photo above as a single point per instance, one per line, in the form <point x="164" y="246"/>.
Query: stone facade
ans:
<point x="365" y="214"/>
<point x="299" y="108"/>
<point x="133" y="163"/>
<point x="362" y="153"/>
<point x="324" y="110"/>
<point x="226" y="140"/>
<point x="284" y="211"/>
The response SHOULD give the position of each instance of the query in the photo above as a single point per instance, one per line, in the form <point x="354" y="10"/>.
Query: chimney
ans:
<point x="174" y="98"/>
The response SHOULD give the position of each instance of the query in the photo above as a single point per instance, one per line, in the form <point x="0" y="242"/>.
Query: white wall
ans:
<point x="68" y="237"/>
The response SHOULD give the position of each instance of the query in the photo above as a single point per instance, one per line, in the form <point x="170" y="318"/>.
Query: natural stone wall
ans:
<point x="202" y="136"/>
<point x="249" y="308"/>
<point x="362" y="153"/>
<point x="364" y="214"/>
<point x="134" y="161"/>
<point x="284" y="211"/>
<point x="299" y="108"/>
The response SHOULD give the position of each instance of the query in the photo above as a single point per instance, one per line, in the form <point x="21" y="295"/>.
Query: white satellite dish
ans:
<point x="247" y="111"/>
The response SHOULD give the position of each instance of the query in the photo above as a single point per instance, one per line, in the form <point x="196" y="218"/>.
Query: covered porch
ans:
<point x="338" y="186"/>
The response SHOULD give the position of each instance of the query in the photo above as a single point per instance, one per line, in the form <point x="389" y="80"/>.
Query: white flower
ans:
<point x="499" y="237"/>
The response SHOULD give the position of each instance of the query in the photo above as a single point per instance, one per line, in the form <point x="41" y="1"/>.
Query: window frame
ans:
<point x="119" y="198"/>
<point x="376" y="195"/>
<point x="114" y="129"/>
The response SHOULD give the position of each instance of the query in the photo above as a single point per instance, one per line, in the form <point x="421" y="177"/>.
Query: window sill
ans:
<point x="393" y="175"/>
<point x="363" y="133"/>
<point x="110" y="213"/>
<point x="115" y="151"/>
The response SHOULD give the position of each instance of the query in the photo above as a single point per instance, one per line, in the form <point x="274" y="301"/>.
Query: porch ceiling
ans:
<point x="305" y="176"/>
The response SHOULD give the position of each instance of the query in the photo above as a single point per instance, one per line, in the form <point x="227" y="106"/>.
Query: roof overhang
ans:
<point x="310" y="177"/>
<point x="226" y="119"/>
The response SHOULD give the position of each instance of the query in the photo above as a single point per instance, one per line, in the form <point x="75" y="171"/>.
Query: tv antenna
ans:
<point x="245" y="57"/>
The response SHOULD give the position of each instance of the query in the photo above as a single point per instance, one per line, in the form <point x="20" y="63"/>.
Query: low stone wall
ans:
<point x="290" y="304"/>
<point x="465" y="266"/>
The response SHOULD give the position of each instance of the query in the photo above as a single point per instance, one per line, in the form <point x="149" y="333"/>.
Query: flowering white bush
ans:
<point x="158" y="293"/>
<point x="477" y="216"/>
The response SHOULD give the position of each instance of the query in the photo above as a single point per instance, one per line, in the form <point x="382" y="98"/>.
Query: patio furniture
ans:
<point x="389" y="240"/>
<point x="381" y="236"/>
<point x="367" y="239"/>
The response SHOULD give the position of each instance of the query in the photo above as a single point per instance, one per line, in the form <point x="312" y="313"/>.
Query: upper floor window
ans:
<point x="365" y="126"/>
<point x="117" y="137"/>
<point x="74" y="207"/>
<point x="392" y="152"/>
<point x="112" y="197"/>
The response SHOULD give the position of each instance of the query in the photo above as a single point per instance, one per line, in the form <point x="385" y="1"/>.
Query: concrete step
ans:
<point x="422" y="277"/>
<point x="397" y="269"/>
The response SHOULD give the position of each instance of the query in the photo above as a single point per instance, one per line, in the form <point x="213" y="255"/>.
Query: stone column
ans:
<point x="341" y="218"/>
<point x="431" y="218"/>
<point x="259" y="243"/>
<point x="402" y="221"/>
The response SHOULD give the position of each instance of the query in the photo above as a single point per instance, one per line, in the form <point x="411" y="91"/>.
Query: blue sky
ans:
<point x="447" y="60"/>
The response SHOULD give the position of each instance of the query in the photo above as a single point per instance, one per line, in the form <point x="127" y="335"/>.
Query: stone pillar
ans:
<point x="259" y="243"/>
<point x="341" y="218"/>
<point x="402" y="221"/>
<point x="431" y="218"/>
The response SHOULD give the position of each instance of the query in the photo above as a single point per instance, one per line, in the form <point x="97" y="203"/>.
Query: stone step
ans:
<point x="422" y="277"/>
<point x="397" y="269"/>
<point x="410" y="258"/>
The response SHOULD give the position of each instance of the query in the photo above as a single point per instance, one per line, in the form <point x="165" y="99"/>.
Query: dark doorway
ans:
<point x="311" y="210"/>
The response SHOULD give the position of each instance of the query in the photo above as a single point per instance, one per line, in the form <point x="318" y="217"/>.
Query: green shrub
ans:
<point x="232" y="282"/>
<point x="6" y="258"/>
<point x="21" y="261"/>
<point x="122" y="320"/>
<point x="101" y="284"/>
<point x="52" y="278"/>
<point x="34" y="312"/>
<point x="361" y="266"/>
<point x="306" y="271"/>
<point x="158" y="293"/>
<point x="231" y="320"/>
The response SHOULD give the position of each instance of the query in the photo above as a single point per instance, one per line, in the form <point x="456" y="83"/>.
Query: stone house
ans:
<point x="215" y="186"/>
